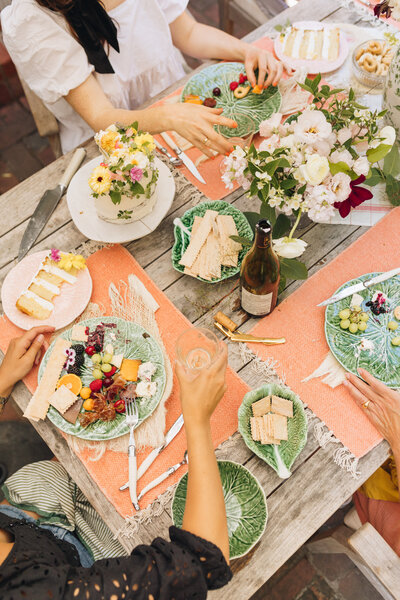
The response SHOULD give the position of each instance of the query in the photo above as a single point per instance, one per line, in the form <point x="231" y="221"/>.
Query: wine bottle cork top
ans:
<point x="225" y="321"/>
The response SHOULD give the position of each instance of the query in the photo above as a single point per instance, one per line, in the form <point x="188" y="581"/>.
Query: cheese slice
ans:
<point x="78" y="333"/>
<point x="39" y="403"/>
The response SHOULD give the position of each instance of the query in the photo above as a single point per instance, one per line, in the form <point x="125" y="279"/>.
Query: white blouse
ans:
<point x="52" y="62"/>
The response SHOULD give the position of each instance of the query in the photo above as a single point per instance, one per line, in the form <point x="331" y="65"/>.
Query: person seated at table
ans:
<point x="94" y="63"/>
<point x="50" y="534"/>
<point x="378" y="500"/>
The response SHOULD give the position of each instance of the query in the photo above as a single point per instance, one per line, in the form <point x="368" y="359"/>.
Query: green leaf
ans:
<point x="279" y="163"/>
<point x="282" y="284"/>
<point x="268" y="212"/>
<point x="391" y="164"/>
<point x="115" y="197"/>
<point x="292" y="118"/>
<point x="252" y="218"/>
<point x="393" y="190"/>
<point x="137" y="188"/>
<point x="288" y="184"/>
<point x="374" y="178"/>
<point x="241" y="240"/>
<point x="293" y="268"/>
<point x="376" y="154"/>
<point x="281" y="227"/>
<point x="339" y="167"/>
<point x="279" y="27"/>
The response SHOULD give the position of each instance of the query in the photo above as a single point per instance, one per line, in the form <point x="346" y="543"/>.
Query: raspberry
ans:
<point x="233" y="85"/>
<point x="242" y="78"/>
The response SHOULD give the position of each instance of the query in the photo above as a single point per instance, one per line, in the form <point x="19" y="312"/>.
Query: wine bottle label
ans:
<point x="256" y="305"/>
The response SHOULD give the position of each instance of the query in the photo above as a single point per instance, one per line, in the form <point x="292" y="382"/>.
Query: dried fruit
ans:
<point x="241" y="91"/>
<point x="85" y="393"/>
<point x="216" y="91"/>
<point x="233" y="85"/>
<point x="192" y="99"/>
<point x="88" y="404"/>
<point x="210" y="102"/>
<point x="257" y="90"/>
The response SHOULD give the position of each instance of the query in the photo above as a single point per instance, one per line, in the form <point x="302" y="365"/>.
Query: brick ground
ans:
<point x="22" y="152"/>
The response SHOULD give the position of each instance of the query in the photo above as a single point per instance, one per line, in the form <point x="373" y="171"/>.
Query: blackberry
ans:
<point x="74" y="370"/>
<point x="79" y="348"/>
<point x="79" y="360"/>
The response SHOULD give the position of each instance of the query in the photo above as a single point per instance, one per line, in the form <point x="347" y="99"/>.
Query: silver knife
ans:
<point x="185" y="159"/>
<point x="358" y="287"/>
<point x="47" y="204"/>
<point x="170" y="435"/>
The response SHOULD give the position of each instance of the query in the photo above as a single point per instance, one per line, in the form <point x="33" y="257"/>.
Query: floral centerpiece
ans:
<point x="316" y="162"/>
<point x="123" y="184"/>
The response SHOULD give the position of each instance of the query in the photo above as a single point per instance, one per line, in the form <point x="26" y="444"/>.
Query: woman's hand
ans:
<point x="201" y="391"/>
<point x="383" y="404"/>
<point x="196" y="124"/>
<point x="22" y="354"/>
<point x="268" y="66"/>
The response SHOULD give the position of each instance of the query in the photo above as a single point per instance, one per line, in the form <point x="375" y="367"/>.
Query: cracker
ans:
<point x="78" y="333"/>
<point x="255" y="431"/>
<point x="62" y="399"/>
<point x="39" y="403"/>
<point x="229" y="249"/>
<point x="261" y="407"/>
<point x="279" y="427"/>
<point x="281" y="406"/>
<point x="198" y="239"/>
<point x="266" y="430"/>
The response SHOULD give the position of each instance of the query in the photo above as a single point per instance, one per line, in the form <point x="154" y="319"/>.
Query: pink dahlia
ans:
<point x="136" y="174"/>
<point x="55" y="255"/>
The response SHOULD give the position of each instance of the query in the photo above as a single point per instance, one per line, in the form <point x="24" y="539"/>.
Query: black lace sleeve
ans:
<point x="185" y="567"/>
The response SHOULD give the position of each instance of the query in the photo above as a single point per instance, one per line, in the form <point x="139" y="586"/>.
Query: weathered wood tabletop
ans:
<point x="298" y="506"/>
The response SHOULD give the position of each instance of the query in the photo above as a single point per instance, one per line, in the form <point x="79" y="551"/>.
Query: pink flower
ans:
<point x="361" y="166"/>
<point x="344" y="135"/>
<point x="55" y="255"/>
<point x="269" y="126"/>
<point x="340" y="186"/>
<point x="342" y="156"/>
<point x="129" y="132"/>
<point x="358" y="196"/>
<point x="118" y="176"/>
<point x="136" y="174"/>
<point x="311" y="127"/>
<point x="322" y="147"/>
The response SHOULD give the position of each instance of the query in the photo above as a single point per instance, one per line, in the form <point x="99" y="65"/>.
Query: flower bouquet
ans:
<point x="316" y="162"/>
<point x="123" y="184"/>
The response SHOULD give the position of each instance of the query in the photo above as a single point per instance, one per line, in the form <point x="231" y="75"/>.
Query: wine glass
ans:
<point x="247" y="127"/>
<point x="197" y="348"/>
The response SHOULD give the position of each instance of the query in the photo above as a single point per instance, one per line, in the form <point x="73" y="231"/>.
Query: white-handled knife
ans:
<point x="358" y="287"/>
<point x="162" y="477"/>
<point x="170" y="435"/>
<point x="185" y="159"/>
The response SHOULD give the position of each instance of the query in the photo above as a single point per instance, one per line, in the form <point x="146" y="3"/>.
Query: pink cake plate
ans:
<point x="313" y="66"/>
<point x="71" y="302"/>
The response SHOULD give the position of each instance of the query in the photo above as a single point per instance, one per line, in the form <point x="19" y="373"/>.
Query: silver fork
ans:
<point x="132" y="418"/>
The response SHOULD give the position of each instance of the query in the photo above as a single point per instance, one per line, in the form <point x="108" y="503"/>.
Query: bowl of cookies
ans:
<point x="371" y="61"/>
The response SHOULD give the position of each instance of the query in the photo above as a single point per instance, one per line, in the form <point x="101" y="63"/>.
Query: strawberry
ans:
<point x="242" y="78"/>
<point x="112" y="372"/>
<point x="233" y="85"/>
<point x="96" y="385"/>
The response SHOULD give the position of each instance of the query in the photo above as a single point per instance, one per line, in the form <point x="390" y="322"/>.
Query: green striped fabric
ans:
<point x="46" y="488"/>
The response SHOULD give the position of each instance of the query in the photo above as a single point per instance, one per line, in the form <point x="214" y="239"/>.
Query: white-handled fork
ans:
<point x="132" y="418"/>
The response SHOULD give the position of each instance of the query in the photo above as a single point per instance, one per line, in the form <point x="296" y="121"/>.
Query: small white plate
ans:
<point x="71" y="302"/>
<point x="313" y="66"/>
<point x="83" y="211"/>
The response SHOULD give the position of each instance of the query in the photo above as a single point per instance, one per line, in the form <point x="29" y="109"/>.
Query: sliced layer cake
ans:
<point x="311" y="44"/>
<point x="57" y="268"/>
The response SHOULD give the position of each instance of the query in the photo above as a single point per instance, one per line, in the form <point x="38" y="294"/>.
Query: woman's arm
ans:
<point x="205" y="513"/>
<point x="193" y="122"/>
<point x="383" y="407"/>
<point x="202" y="41"/>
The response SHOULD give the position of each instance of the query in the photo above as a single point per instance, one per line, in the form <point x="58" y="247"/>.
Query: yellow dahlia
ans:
<point x="108" y="139"/>
<point x="71" y="261"/>
<point x="100" y="180"/>
<point x="145" y="139"/>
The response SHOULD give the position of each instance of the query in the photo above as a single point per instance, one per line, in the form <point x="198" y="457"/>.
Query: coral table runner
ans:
<point x="302" y="323"/>
<point x="115" y="264"/>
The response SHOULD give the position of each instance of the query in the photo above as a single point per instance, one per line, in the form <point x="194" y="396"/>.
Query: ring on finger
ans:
<point x="366" y="404"/>
<point x="205" y="140"/>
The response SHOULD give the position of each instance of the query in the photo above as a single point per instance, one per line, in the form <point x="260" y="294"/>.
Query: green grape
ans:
<point x="107" y="357"/>
<point x="106" y="367"/>
<point x="345" y="323"/>
<point x="96" y="359"/>
<point x="354" y="318"/>
<point x="392" y="325"/>
<point x="353" y="327"/>
<point x="344" y="314"/>
<point x="395" y="341"/>
<point x="362" y="326"/>
<point x="356" y="308"/>
<point x="364" y="316"/>
<point x="97" y="374"/>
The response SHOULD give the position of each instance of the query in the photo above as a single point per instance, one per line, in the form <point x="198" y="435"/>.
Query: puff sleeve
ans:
<point x="48" y="58"/>
<point x="172" y="9"/>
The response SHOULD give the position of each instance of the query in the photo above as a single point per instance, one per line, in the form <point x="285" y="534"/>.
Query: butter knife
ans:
<point x="189" y="164"/>
<point x="162" y="477"/>
<point x="358" y="287"/>
<point x="48" y="203"/>
<point x="246" y="337"/>
<point x="170" y="435"/>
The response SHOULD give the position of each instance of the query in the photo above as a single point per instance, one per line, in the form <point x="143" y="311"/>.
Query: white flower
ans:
<point x="270" y="144"/>
<point x="139" y="159"/>
<point x="116" y="156"/>
<point x="388" y="135"/>
<point x="238" y="153"/>
<point x="289" y="247"/>
<point x="288" y="141"/>
<point x="342" y="156"/>
<point x="322" y="147"/>
<point x="265" y="176"/>
<point x="344" y="135"/>
<point x="315" y="169"/>
<point x="312" y="127"/>
<point x="269" y="126"/>
<point x="320" y="200"/>
<point x="260" y="185"/>
<point x="361" y="166"/>
<point x="146" y="389"/>
<point x="340" y="186"/>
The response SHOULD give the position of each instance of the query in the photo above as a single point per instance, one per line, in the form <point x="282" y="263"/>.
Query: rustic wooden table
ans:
<point x="298" y="506"/>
